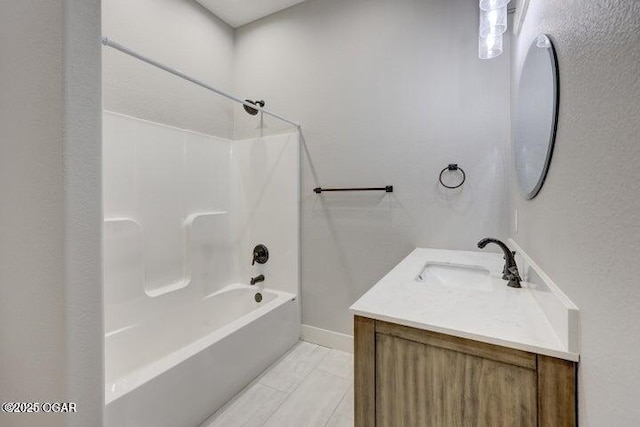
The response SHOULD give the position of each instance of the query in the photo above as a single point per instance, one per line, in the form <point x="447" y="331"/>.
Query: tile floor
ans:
<point x="311" y="386"/>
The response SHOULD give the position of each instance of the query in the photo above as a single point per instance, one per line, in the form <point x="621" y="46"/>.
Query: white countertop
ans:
<point x="503" y="316"/>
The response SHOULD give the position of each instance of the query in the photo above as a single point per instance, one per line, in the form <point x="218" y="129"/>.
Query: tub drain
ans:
<point x="258" y="297"/>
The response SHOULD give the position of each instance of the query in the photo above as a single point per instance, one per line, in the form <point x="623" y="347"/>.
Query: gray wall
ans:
<point x="51" y="335"/>
<point x="583" y="228"/>
<point x="388" y="92"/>
<point x="178" y="33"/>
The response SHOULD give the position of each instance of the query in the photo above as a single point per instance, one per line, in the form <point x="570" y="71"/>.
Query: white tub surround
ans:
<point x="187" y="209"/>
<point x="494" y="313"/>
<point x="183" y="211"/>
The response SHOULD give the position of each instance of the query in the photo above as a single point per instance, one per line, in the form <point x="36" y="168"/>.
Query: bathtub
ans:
<point x="179" y="368"/>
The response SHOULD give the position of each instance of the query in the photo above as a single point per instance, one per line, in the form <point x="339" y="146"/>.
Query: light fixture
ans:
<point x="493" y="4"/>
<point x="490" y="47"/>
<point x="493" y="22"/>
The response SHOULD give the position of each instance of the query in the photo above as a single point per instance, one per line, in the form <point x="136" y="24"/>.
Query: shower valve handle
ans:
<point x="260" y="254"/>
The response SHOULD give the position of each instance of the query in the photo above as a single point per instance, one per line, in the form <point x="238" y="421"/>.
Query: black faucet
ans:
<point x="257" y="279"/>
<point x="510" y="271"/>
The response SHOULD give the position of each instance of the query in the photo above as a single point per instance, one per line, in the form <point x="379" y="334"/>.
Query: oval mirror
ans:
<point x="536" y="115"/>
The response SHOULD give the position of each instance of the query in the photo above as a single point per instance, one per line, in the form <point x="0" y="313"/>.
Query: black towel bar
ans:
<point x="387" y="189"/>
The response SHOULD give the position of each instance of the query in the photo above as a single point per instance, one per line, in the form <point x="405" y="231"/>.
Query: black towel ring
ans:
<point x="453" y="167"/>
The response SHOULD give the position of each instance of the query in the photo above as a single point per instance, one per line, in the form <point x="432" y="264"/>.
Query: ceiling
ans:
<point x="240" y="12"/>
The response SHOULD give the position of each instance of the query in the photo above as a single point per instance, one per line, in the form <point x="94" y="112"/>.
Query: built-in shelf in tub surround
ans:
<point x="207" y="239"/>
<point x="503" y="316"/>
<point x="205" y="231"/>
<point x="126" y="264"/>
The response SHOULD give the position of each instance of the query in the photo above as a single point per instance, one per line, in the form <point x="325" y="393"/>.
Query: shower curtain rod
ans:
<point x="117" y="46"/>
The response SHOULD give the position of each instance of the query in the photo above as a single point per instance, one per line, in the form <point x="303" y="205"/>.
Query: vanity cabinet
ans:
<point x="411" y="377"/>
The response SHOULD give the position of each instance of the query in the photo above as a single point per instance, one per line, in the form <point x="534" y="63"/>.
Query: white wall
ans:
<point x="50" y="215"/>
<point x="387" y="93"/>
<point x="178" y="33"/>
<point x="582" y="228"/>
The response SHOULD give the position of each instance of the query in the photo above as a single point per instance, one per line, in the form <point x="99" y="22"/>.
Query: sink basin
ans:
<point x="458" y="276"/>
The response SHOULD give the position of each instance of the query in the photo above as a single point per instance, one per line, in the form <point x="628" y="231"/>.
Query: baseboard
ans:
<point x="327" y="338"/>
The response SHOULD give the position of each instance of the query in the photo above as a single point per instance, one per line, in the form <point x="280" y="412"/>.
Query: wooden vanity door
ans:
<point x="424" y="385"/>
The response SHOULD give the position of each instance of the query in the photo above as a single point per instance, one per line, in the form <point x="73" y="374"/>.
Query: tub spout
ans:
<point x="257" y="279"/>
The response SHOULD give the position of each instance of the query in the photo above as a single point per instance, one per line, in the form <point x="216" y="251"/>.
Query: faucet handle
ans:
<point x="513" y="278"/>
<point x="260" y="254"/>
<point x="513" y="271"/>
